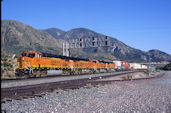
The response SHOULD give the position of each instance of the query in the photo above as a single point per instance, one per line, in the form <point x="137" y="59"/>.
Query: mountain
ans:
<point x="54" y="32"/>
<point x="157" y="55"/>
<point x="80" y="33"/>
<point x="17" y="37"/>
<point x="116" y="49"/>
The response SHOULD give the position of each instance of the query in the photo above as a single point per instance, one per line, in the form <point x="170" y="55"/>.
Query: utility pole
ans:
<point x="149" y="64"/>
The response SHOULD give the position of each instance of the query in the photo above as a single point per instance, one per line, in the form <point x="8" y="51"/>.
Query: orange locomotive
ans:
<point x="34" y="64"/>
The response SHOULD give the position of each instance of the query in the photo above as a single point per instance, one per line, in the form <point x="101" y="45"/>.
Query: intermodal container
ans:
<point x="127" y="65"/>
<point x="123" y="63"/>
<point x="123" y="67"/>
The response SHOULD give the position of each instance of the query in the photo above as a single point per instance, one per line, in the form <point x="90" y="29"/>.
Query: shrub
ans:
<point x="167" y="67"/>
<point x="125" y="78"/>
<point x="2" y="71"/>
<point x="6" y="64"/>
<point x="4" y="59"/>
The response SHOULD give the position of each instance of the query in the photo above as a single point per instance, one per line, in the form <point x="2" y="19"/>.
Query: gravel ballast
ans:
<point x="26" y="82"/>
<point x="136" y="96"/>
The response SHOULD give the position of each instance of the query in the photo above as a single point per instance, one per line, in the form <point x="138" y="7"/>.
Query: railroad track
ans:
<point x="28" y="90"/>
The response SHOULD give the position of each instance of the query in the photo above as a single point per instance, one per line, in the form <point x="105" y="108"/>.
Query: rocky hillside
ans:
<point x="17" y="37"/>
<point x="54" y="32"/>
<point x="157" y="55"/>
<point x="116" y="50"/>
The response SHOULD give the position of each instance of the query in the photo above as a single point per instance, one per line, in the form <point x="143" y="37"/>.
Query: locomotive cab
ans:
<point x="31" y="54"/>
<point x="26" y="58"/>
<point x="25" y="61"/>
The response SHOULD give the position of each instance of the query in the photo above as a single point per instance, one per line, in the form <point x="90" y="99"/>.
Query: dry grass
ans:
<point x="8" y="66"/>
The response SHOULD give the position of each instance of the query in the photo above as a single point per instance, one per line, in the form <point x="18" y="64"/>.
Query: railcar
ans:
<point x="36" y="64"/>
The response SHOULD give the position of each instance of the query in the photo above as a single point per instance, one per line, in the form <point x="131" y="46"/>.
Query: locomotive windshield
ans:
<point x="31" y="55"/>
<point x="94" y="61"/>
<point x="24" y="54"/>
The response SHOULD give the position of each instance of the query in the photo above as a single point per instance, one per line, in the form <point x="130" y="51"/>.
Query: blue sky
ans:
<point x="142" y="24"/>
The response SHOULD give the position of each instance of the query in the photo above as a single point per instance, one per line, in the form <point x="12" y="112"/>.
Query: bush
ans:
<point x="4" y="59"/>
<point x="146" y="72"/>
<point x="6" y="64"/>
<point x="2" y="71"/>
<point x="167" y="67"/>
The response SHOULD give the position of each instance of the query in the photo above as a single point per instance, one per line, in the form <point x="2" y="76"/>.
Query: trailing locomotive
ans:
<point x="36" y="64"/>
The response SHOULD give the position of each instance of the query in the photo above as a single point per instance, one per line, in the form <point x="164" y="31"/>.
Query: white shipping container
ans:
<point x="117" y="63"/>
<point x="135" y="65"/>
<point x="143" y="66"/>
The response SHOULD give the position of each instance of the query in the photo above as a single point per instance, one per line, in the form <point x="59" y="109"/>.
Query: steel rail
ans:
<point x="18" y="91"/>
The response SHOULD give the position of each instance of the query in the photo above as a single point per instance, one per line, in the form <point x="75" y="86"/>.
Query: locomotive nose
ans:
<point x="19" y="60"/>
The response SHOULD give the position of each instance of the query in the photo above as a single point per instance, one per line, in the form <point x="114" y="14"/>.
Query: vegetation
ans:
<point x="6" y="64"/>
<point x="128" y="77"/>
<point x="146" y="72"/>
<point x="167" y="67"/>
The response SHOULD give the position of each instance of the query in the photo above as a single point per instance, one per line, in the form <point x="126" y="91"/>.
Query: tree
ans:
<point x="167" y="67"/>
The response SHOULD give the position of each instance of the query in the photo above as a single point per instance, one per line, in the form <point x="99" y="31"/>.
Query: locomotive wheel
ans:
<point x="39" y="73"/>
<point x="66" y="72"/>
<point x="72" y="72"/>
<point x="22" y="74"/>
<point x="98" y="70"/>
<point x="92" y="71"/>
<point x="77" y="72"/>
<point x="43" y="73"/>
<point x="36" y="73"/>
<point x="80" y="71"/>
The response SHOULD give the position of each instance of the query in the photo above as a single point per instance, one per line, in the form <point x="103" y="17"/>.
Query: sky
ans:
<point x="141" y="24"/>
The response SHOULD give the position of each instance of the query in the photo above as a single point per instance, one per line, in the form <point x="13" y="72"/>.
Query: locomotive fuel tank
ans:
<point x="54" y="72"/>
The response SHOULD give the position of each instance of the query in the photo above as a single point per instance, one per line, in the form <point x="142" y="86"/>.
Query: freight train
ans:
<point x="36" y="64"/>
